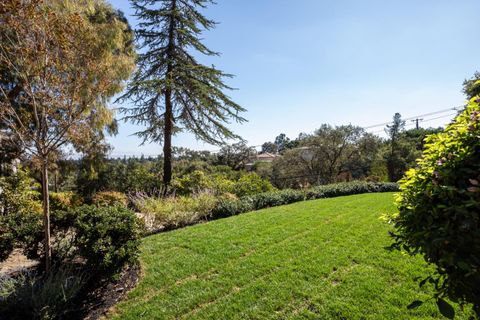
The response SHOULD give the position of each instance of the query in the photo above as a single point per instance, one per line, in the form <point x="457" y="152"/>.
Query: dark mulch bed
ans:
<point x="98" y="300"/>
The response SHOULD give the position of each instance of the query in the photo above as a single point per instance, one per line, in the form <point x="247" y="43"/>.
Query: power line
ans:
<point x="422" y="121"/>
<point x="412" y="118"/>
<point x="415" y="118"/>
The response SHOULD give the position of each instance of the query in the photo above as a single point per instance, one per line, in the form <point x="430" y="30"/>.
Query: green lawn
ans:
<point x="322" y="259"/>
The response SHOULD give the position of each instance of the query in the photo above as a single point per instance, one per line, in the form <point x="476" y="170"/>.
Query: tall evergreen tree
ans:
<point x="171" y="91"/>
<point x="393" y="158"/>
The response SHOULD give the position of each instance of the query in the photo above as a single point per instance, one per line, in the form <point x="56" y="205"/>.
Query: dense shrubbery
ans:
<point x="250" y="184"/>
<point x="439" y="210"/>
<point x="274" y="198"/>
<point x="64" y="200"/>
<point x="127" y="175"/>
<point x="20" y="215"/>
<point x="231" y="207"/>
<point x="345" y="189"/>
<point x="281" y="197"/>
<point x="110" y="198"/>
<point x="160" y="214"/>
<point x="175" y="212"/>
<point x="220" y="183"/>
<point x="106" y="237"/>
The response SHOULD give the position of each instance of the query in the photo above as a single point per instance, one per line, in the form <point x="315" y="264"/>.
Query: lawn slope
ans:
<point x="322" y="259"/>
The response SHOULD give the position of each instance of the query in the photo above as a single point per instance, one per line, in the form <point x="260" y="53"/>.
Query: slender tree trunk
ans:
<point x="390" y="162"/>
<point x="55" y="177"/>
<point x="46" y="216"/>
<point x="168" y="130"/>
<point x="167" y="143"/>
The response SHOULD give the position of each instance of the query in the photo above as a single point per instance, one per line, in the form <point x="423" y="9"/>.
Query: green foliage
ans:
<point x="229" y="207"/>
<point x="7" y="239"/>
<point x="110" y="198"/>
<point x="220" y="183"/>
<point x="236" y="156"/>
<point x="471" y="87"/>
<point x="31" y="296"/>
<point x="107" y="237"/>
<point x="403" y="147"/>
<point x="275" y="198"/>
<point x="126" y="175"/>
<point x="20" y="214"/>
<point x="64" y="200"/>
<point x="349" y="188"/>
<point x="331" y="154"/>
<point x="250" y="184"/>
<point x="168" y="71"/>
<point x="439" y="209"/>
<point x="17" y="194"/>
<point x="191" y="183"/>
<point x="378" y="172"/>
<point x="160" y="214"/>
<point x="175" y="212"/>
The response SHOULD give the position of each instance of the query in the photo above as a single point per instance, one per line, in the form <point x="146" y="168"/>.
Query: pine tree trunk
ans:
<point x="167" y="143"/>
<point x="46" y="216"/>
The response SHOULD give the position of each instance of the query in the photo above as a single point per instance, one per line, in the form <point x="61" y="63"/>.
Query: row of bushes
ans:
<point x="287" y="196"/>
<point x="163" y="214"/>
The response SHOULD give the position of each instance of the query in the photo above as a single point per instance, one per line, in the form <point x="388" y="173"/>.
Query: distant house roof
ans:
<point x="262" y="157"/>
<point x="266" y="156"/>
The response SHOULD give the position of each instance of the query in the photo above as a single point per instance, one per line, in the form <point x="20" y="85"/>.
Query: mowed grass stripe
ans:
<point x="322" y="259"/>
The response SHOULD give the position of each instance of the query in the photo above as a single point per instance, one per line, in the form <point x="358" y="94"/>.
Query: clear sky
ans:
<point x="302" y="63"/>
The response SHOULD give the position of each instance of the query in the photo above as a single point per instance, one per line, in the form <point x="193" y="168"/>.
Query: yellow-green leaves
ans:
<point x="439" y="205"/>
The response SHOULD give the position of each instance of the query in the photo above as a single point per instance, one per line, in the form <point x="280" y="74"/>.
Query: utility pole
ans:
<point x="417" y="121"/>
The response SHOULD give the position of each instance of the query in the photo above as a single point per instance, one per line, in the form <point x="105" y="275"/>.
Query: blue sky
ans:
<point x="302" y="63"/>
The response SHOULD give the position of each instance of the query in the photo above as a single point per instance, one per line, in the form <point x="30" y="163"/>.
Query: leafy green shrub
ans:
<point x="191" y="183"/>
<point x="276" y="198"/>
<point x="7" y="239"/>
<point x="20" y="215"/>
<point x="250" y="184"/>
<point x="110" y="198"/>
<point x="107" y="237"/>
<point x="220" y="183"/>
<point x="64" y="200"/>
<point x="349" y="188"/>
<point x="439" y="210"/>
<point x="231" y="207"/>
<point x="178" y="211"/>
<point x="23" y="231"/>
<point x="31" y="296"/>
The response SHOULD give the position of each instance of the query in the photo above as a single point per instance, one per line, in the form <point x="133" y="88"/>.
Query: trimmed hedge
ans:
<point x="226" y="208"/>
<point x="349" y="188"/>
